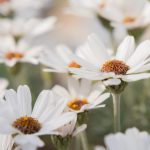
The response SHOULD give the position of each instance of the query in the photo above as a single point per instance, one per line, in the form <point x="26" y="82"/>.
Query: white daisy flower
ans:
<point x="12" y="52"/>
<point x="133" y="139"/>
<point x="120" y="12"/>
<point x="59" y="60"/>
<point x="23" y="8"/>
<point x="128" y="65"/>
<point x="20" y="28"/>
<point x="3" y="85"/>
<point x="82" y="95"/>
<point x="6" y="142"/>
<point x="19" y="119"/>
<point x="116" y="11"/>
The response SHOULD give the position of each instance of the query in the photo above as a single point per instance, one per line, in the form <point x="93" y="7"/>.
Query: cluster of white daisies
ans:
<point x="60" y="112"/>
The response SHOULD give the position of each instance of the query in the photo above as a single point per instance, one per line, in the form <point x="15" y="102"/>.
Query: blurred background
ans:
<point x="73" y="30"/>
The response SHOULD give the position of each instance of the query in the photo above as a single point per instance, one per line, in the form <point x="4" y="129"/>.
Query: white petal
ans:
<point x="110" y="82"/>
<point x="29" y="142"/>
<point x="135" y="77"/>
<point x="60" y="91"/>
<point x="85" y="87"/>
<point x="98" y="49"/>
<point x="79" y="129"/>
<point x="140" y="54"/>
<point x="126" y="48"/>
<point x="73" y="86"/>
<point x="41" y="103"/>
<point x="24" y="100"/>
<point x="60" y="121"/>
<point x="101" y="99"/>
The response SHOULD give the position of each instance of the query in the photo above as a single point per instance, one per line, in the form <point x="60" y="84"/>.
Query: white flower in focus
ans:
<point x="82" y="95"/>
<point x="59" y="60"/>
<point x="19" y="119"/>
<point x="20" y="28"/>
<point x="6" y="142"/>
<point x="3" y="85"/>
<point x="12" y="53"/>
<point x="128" y="65"/>
<point x="133" y="139"/>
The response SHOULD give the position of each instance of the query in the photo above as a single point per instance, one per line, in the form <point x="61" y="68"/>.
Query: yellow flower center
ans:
<point x="13" y="55"/>
<point x="128" y="19"/>
<point x="27" y="125"/>
<point x="73" y="64"/>
<point x="116" y="66"/>
<point x="76" y="104"/>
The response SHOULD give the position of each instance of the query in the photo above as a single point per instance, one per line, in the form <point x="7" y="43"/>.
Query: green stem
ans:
<point x="116" y="105"/>
<point x="84" y="140"/>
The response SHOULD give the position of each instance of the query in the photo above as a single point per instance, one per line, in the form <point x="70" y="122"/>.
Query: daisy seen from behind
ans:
<point x="27" y="124"/>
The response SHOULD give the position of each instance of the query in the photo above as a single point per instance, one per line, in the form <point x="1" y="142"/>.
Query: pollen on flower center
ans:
<point x="127" y="20"/>
<point x="116" y="66"/>
<point x="73" y="64"/>
<point x="13" y="55"/>
<point x="76" y="104"/>
<point x="27" y="125"/>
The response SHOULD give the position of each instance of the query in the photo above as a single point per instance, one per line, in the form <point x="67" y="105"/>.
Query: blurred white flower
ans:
<point x="23" y="8"/>
<point x="5" y="8"/>
<point x="120" y="12"/>
<point x="133" y="139"/>
<point x="6" y="142"/>
<point x="86" y="8"/>
<point x="12" y="53"/>
<point x="18" y="118"/>
<point x="128" y="65"/>
<point x="59" y="60"/>
<point x="3" y="85"/>
<point x="26" y="28"/>
<point x="116" y="11"/>
<point x="82" y="95"/>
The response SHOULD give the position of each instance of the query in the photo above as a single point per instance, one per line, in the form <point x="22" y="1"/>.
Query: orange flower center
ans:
<point x="102" y="5"/>
<point x="3" y="1"/>
<point x="127" y="20"/>
<point x="13" y="55"/>
<point x="27" y="125"/>
<point x="73" y="64"/>
<point x="116" y="66"/>
<point x="76" y="104"/>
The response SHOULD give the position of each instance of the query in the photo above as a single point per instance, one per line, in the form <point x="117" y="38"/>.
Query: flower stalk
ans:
<point x="84" y="140"/>
<point x="116" y="109"/>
